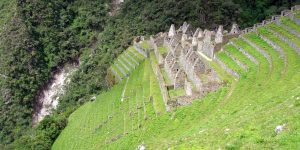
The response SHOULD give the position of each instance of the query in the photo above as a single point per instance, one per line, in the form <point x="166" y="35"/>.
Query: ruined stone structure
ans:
<point x="188" y="53"/>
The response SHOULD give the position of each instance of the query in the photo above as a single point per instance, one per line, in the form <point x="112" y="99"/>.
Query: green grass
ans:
<point x="162" y="50"/>
<point x="238" y="55"/>
<point x="122" y="66"/>
<point x="240" y="115"/>
<point x="230" y="63"/>
<point x="288" y="22"/>
<point x="176" y="92"/>
<point x="131" y="67"/>
<point x="297" y="15"/>
<point x="134" y="54"/>
<point x="155" y="91"/>
<point x="137" y="54"/>
<point x="166" y="77"/>
<point x="285" y="33"/>
<point x="145" y="45"/>
<point x="117" y="70"/>
<point x="130" y="60"/>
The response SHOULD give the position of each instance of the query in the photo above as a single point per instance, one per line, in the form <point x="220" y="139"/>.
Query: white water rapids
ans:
<point x="48" y="97"/>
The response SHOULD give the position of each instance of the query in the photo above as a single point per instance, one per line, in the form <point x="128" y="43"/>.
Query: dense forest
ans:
<point x="38" y="36"/>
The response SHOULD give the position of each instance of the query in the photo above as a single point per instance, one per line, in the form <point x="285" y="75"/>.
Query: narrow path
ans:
<point x="123" y="93"/>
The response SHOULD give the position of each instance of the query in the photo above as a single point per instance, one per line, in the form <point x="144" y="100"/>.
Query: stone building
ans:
<point x="184" y="62"/>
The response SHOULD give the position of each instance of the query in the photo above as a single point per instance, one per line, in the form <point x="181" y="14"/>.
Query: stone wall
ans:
<point x="228" y="70"/>
<point x="157" y="53"/>
<point x="142" y="51"/>
<point x="276" y="19"/>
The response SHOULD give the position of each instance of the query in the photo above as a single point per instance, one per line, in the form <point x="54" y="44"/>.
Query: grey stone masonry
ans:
<point x="242" y="65"/>
<point x="121" y="69"/>
<point x="188" y="88"/>
<point x="123" y="64"/>
<point x="116" y="74"/>
<point x="219" y="35"/>
<point x="275" y="47"/>
<point x="157" y="53"/>
<point x="235" y="29"/>
<point x="294" y="32"/>
<point x="133" y="53"/>
<point x="295" y="8"/>
<point x="141" y="50"/>
<point x="225" y="67"/>
<point x="276" y="19"/>
<point x="131" y="58"/>
<point x="286" y="40"/>
<point x="264" y="53"/>
<point x="128" y="62"/>
<point x="250" y="57"/>
<point x="172" y="31"/>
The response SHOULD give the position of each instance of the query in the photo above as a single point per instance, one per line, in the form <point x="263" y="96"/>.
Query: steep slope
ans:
<point x="241" y="114"/>
<point x="127" y="108"/>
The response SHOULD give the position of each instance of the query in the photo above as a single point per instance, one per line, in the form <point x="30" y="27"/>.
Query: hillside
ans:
<point x="255" y="105"/>
<point x="56" y="56"/>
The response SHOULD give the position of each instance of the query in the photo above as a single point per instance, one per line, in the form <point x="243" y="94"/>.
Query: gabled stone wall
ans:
<point x="183" y="60"/>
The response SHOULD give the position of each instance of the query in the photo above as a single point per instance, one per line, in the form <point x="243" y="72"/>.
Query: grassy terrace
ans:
<point x="176" y="92"/>
<point x="230" y="63"/>
<point x="155" y="89"/>
<point x="277" y="62"/>
<point x="285" y="33"/>
<point x="240" y="115"/>
<point x="124" y="65"/>
<point x="297" y="15"/>
<point x="288" y="22"/>
<point x="99" y="118"/>
<point x="125" y="62"/>
<point x="239" y="55"/>
<point x="134" y="62"/>
<point x="136" y="53"/>
<point x="113" y="68"/>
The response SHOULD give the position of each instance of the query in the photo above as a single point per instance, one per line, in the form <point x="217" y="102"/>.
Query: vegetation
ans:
<point x="243" y="114"/>
<point x="39" y="36"/>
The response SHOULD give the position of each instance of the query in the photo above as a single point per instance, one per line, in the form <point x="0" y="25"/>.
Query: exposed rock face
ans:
<point x="48" y="98"/>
